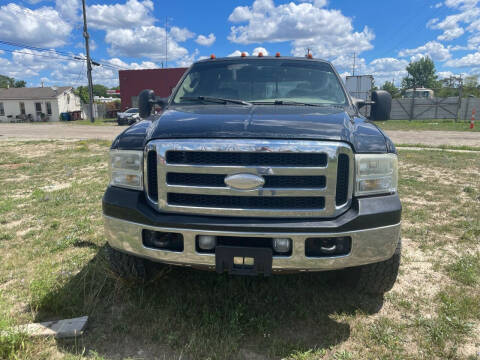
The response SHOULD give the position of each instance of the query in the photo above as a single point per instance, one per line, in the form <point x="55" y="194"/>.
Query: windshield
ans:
<point x="262" y="81"/>
<point x="132" y="110"/>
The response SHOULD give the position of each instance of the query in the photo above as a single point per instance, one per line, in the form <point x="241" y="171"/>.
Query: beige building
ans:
<point x="37" y="104"/>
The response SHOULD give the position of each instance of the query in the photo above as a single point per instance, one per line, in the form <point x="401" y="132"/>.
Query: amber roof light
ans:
<point x="213" y="56"/>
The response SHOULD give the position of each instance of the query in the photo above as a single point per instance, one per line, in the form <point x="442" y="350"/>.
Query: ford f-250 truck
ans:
<point x="257" y="165"/>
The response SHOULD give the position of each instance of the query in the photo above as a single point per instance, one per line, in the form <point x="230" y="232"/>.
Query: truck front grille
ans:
<point x="301" y="178"/>
<point x="218" y="180"/>
<point x="246" y="202"/>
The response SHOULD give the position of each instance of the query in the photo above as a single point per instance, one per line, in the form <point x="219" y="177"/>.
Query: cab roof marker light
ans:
<point x="260" y="54"/>
<point x="277" y="54"/>
<point x="309" y="56"/>
<point x="243" y="54"/>
<point x="213" y="56"/>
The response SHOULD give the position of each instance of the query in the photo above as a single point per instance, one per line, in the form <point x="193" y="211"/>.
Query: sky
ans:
<point x="42" y="40"/>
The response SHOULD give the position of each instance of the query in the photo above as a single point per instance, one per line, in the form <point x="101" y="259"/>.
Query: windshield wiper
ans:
<point x="291" y="102"/>
<point x="215" y="100"/>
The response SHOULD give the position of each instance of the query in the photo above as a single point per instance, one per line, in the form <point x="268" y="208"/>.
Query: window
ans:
<point x="22" y="108"/>
<point x="38" y="107"/>
<point x="49" y="108"/>
<point x="68" y="99"/>
<point x="263" y="81"/>
<point x="2" y="110"/>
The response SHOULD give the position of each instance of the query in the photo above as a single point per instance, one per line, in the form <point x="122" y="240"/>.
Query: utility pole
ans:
<point x="89" y="64"/>
<point x="166" y="42"/>
<point x="353" y="67"/>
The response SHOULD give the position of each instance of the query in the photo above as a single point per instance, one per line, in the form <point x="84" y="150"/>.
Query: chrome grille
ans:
<point x="300" y="177"/>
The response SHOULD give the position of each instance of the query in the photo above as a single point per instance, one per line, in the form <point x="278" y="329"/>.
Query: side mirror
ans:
<point x="146" y="100"/>
<point x="359" y="103"/>
<point x="381" y="105"/>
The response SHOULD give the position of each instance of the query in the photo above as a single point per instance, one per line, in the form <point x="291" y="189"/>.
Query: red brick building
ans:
<point x="162" y="81"/>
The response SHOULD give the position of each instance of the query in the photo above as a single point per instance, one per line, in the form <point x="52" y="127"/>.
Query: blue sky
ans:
<point x="130" y="34"/>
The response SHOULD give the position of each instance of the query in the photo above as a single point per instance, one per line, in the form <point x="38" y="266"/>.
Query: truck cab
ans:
<point x="257" y="166"/>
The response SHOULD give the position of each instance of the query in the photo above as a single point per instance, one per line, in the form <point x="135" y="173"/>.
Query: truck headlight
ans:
<point x="126" y="169"/>
<point x="375" y="174"/>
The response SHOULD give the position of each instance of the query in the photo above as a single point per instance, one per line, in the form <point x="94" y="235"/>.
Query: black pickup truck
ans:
<point x="257" y="165"/>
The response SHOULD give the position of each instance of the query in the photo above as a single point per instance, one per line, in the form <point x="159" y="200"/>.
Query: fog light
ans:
<point x="207" y="242"/>
<point x="282" y="245"/>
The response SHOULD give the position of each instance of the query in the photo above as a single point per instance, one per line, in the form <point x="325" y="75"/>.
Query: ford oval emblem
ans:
<point x="244" y="181"/>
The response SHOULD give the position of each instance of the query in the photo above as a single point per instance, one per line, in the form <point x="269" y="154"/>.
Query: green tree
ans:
<point x="99" y="90"/>
<point x="421" y="73"/>
<point x="8" y="82"/>
<point x="391" y="88"/>
<point x="471" y="86"/>
<point x="82" y="92"/>
<point x="20" y="83"/>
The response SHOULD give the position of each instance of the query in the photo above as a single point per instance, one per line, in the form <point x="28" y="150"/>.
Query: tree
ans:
<point x="471" y="86"/>
<point x="82" y="92"/>
<point x="20" y="83"/>
<point x="391" y="88"/>
<point x="421" y="73"/>
<point x="100" y="90"/>
<point x="8" y="82"/>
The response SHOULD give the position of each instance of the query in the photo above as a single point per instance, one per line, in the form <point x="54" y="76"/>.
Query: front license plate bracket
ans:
<point x="238" y="260"/>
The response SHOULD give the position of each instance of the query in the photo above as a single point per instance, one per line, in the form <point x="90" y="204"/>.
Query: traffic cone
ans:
<point x="472" y="120"/>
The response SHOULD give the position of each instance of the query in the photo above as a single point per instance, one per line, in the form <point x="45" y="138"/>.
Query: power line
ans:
<point x="33" y="54"/>
<point x="61" y="55"/>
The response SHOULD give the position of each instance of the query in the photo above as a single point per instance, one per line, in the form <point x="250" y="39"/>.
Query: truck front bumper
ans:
<point x="373" y="224"/>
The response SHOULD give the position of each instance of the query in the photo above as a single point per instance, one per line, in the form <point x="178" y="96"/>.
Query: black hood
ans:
<point x="261" y="122"/>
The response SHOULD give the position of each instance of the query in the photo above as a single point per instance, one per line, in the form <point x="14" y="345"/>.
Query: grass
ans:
<point x="98" y="122"/>
<point x="438" y="124"/>
<point x="53" y="266"/>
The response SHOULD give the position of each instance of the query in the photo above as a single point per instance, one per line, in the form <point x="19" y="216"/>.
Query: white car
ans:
<point x="128" y="117"/>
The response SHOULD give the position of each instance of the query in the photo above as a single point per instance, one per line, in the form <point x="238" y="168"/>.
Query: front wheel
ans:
<point x="377" y="278"/>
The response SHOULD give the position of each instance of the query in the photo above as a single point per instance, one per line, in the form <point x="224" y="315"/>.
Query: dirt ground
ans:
<point x="70" y="131"/>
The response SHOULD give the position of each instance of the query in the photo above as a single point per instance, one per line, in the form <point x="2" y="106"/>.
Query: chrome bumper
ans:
<point x="368" y="246"/>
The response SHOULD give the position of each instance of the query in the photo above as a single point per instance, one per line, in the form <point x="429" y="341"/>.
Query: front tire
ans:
<point x="377" y="278"/>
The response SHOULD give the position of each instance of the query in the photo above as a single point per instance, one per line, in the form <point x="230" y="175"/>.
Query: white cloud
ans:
<point x="206" y="40"/>
<point x="444" y="74"/>
<point x="258" y="50"/>
<point x="115" y="16"/>
<point x="69" y="9"/>
<point x="238" y="53"/>
<point x="453" y="25"/>
<point x="41" y="27"/>
<point x="469" y="60"/>
<point x="132" y="66"/>
<point x="188" y="60"/>
<point x="317" y="3"/>
<point x="180" y="34"/>
<point x="433" y="49"/>
<point x="464" y="4"/>
<point x="144" y="41"/>
<point x="327" y="32"/>
<point x="386" y="69"/>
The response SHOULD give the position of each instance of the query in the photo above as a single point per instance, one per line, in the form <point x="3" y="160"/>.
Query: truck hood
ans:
<point x="268" y="122"/>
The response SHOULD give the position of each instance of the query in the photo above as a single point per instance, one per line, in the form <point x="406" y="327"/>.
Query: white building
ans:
<point x="37" y="104"/>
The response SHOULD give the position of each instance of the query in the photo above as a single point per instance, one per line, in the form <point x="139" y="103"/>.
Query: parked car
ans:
<point x="128" y="117"/>
<point x="258" y="165"/>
